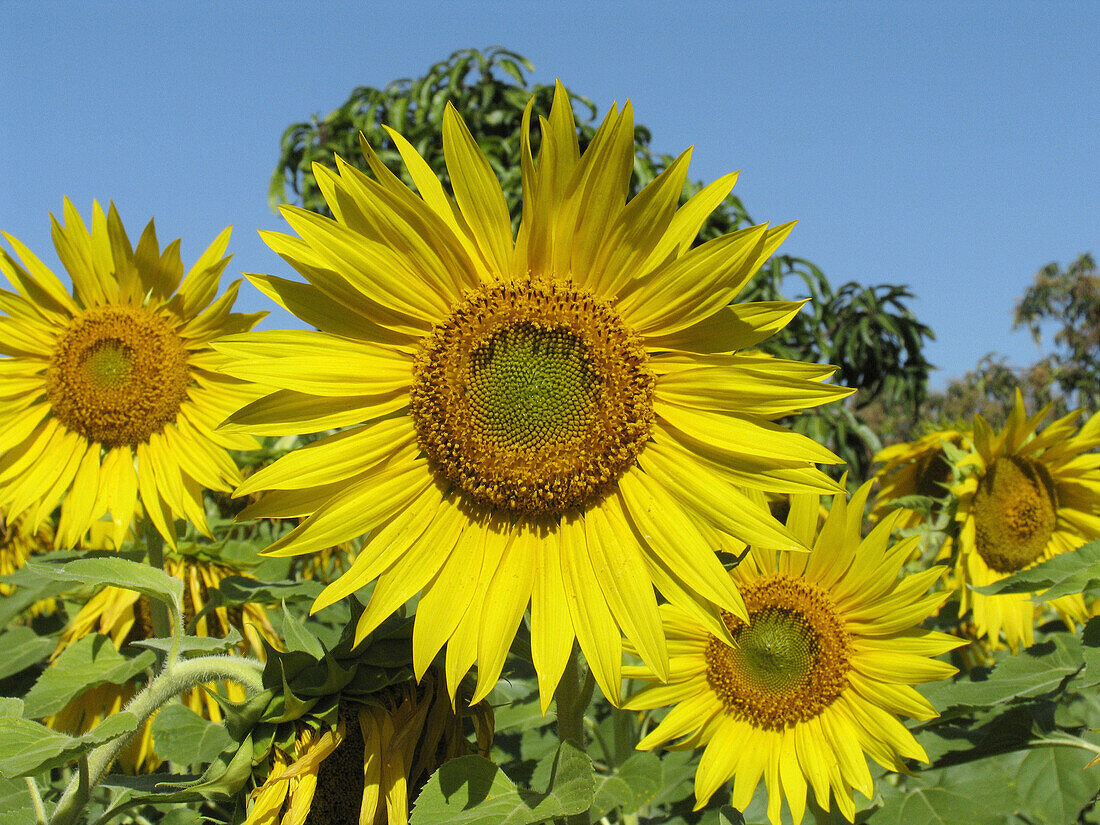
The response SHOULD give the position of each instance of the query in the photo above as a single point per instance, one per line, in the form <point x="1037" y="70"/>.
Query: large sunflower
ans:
<point x="561" y="419"/>
<point x="1029" y="496"/>
<point x="111" y="392"/>
<point x="821" y="670"/>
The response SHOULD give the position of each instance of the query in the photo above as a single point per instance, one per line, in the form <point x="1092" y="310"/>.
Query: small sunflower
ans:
<point x="915" y="468"/>
<point x="112" y="392"/>
<point x="17" y="543"/>
<point x="822" y="668"/>
<point x="126" y="616"/>
<point x="1029" y="495"/>
<point x="563" y="418"/>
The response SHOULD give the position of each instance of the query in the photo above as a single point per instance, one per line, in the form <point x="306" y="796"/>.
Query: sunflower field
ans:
<point x="557" y="508"/>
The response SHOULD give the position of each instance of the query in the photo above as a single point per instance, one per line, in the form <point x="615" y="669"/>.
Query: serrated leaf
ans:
<point x="181" y="735"/>
<point x="22" y="648"/>
<point x="114" y="572"/>
<point x="472" y="790"/>
<point x="975" y="793"/>
<point x="634" y="784"/>
<point x="1063" y="575"/>
<point x="1039" y="669"/>
<point x="92" y="661"/>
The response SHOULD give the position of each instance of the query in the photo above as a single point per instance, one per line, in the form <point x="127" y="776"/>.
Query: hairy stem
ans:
<point x="572" y="696"/>
<point x="176" y="678"/>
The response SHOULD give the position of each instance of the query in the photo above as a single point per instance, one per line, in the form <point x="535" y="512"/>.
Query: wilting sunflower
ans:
<point x="1030" y="496"/>
<point x="822" y="668"/>
<point x="112" y="392"/>
<point x="126" y="616"/>
<point x="915" y="468"/>
<point x="561" y="419"/>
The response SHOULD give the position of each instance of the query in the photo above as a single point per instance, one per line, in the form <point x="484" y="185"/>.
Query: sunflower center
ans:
<point x="118" y="375"/>
<point x="1014" y="513"/>
<point x="792" y="657"/>
<point x="532" y="397"/>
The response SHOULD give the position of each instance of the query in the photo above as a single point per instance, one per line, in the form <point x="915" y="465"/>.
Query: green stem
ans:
<point x="176" y="678"/>
<point x="36" y="802"/>
<point x="154" y="547"/>
<point x="571" y="698"/>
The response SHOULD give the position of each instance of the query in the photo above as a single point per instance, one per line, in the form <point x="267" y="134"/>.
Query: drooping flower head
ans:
<point x="350" y="737"/>
<point x="111" y="392"/>
<point x="561" y="419"/>
<point x="822" y="667"/>
<point x="1029" y="495"/>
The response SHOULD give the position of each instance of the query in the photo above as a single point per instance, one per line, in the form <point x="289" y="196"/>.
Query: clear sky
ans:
<point x="952" y="147"/>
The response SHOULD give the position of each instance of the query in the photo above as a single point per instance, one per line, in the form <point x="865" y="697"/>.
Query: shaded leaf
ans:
<point x="1053" y="785"/>
<point x="181" y="735"/>
<point x="22" y="648"/>
<point x="634" y="783"/>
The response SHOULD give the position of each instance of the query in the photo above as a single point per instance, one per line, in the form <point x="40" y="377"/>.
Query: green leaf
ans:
<point x="15" y="802"/>
<point x="181" y="735"/>
<point x="297" y="637"/>
<point x="22" y="648"/>
<point x="1062" y="575"/>
<point x="10" y="707"/>
<point x="92" y="661"/>
<point x="977" y="793"/>
<point x="113" y="572"/>
<point x="193" y="645"/>
<point x="238" y="590"/>
<point x="1040" y="669"/>
<point x="634" y="784"/>
<point x="472" y="790"/>
<point x="1053" y="785"/>
<point x="730" y="816"/>
<point x="28" y="748"/>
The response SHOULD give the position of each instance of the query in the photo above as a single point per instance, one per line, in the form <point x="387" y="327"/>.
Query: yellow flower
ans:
<point x="1029" y="496"/>
<point x="914" y="468"/>
<point x="370" y="765"/>
<point x="17" y="543"/>
<point x="112" y="392"/>
<point x="821" y="670"/>
<point x="125" y="616"/>
<point x="562" y="419"/>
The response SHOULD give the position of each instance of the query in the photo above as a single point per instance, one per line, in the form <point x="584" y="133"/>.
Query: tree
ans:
<point x="868" y="332"/>
<point x="1071" y="298"/>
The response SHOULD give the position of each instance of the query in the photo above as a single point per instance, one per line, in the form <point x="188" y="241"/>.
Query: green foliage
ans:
<point x="181" y="735"/>
<point x="867" y="331"/>
<point x="1062" y="575"/>
<point x="472" y="790"/>
<point x="1070" y="298"/>
<point x="28" y="748"/>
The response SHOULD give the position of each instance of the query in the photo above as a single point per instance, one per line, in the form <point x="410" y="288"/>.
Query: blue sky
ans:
<point x="951" y="147"/>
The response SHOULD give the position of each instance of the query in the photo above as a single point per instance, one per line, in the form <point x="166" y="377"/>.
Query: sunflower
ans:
<point x="915" y="468"/>
<point x="562" y="419"/>
<point x="112" y="392"/>
<point x="1029" y="496"/>
<point x="821" y="669"/>
<point x="125" y="616"/>
<point x="17" y="543"/>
